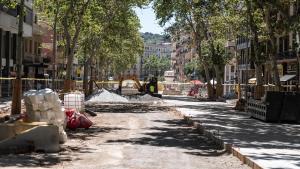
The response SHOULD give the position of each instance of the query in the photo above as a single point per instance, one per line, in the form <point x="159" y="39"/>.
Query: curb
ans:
<point x="219" y="142"/>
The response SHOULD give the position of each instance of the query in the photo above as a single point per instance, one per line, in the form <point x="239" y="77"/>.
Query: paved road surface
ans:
<point x="270" y="145"/>
<point x="154" y="139"/>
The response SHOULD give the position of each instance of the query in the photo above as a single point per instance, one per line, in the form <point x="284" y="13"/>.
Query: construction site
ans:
<point x="149" y="84"/>
<point x="124" y="125"/>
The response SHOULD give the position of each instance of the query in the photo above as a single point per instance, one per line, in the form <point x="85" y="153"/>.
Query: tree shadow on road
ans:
<point x="186" y="99"/>
<point x="175" y="134"/>
<point x="88" y="134"/>
<point x="67" y="154"/>
<point x="31" y="160"/>
<point x="239" y="129"/>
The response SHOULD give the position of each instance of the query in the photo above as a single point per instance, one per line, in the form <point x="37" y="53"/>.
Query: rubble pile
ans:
<point x="45" y="106"/>
<point x="5" y="108"/>
<point x="106" y="96"/>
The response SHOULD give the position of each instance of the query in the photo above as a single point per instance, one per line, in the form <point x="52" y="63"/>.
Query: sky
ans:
<point x="148" y="20"/>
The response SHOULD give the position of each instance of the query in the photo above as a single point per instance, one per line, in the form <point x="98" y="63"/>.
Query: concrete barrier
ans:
<point x="27" y="137"/>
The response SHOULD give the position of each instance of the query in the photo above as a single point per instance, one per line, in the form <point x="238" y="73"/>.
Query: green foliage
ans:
<point x="9" y="3"/>
<point x="157" y="65"/>
<point x="107" y="31"/>
<point x="191" y="67"/>
<point x="150" y="38"/>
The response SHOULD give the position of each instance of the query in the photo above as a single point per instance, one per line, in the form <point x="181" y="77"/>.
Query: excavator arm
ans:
<point x="137" y="83"/>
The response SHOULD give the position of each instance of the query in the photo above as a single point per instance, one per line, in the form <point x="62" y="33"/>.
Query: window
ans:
<point x="35" y="48"/>
<point x="30" y="46"/>
<point x="39" y="49"/>
<point x="25" y="44"/>
<point x="286" y="43"/>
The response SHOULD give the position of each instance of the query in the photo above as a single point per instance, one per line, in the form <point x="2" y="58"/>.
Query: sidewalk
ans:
<point x="274" y="146"/>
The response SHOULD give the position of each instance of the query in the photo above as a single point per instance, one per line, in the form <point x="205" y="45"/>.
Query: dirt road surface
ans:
<point x="145" y="139"/>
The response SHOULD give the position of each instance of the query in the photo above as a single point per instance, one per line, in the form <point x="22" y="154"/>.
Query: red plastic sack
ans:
<point x="73" y="123"/>
<point x="76" y="120"/>
<point x="70" y="112"/>
<point x="84" y="122"/>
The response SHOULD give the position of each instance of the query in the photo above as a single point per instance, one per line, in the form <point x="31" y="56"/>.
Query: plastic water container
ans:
<point x="74" y="101"/>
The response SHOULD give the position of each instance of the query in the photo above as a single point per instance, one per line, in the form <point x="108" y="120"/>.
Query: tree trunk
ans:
<point x="298" y="58"/>
<point x="92" y="78"/>
<point x="17" y="83"/>
<point x="210" y="93"/>
<point x="272" y="46"/>
<point x="204" y="64"/>
<point x="71" y="42"/>
<point x="259" y="88"/>
<point x="219" y="78"/>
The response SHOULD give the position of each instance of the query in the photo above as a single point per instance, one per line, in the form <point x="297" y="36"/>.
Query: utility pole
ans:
<point x="17" y="83"/>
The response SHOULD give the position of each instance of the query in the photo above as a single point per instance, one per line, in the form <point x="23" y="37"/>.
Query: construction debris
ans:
<point x="45" y="106"/>
<point x="77" y="120"/>
<point x="20" y="137"/>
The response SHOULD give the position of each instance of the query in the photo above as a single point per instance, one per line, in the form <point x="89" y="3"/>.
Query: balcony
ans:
<point x="287" y="55"/>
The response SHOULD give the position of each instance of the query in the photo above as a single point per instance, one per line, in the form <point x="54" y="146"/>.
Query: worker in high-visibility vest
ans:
<point x="152" y="88"/>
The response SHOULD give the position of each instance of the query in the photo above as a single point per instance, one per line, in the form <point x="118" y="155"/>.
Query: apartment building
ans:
<point x="159" y="50"/>
<point x="182" y="53"/>
<point x="230" y="69"/>
<point x="8" y="41"/>
<point x="36" y="40"/>
<point x="242" y="67"/>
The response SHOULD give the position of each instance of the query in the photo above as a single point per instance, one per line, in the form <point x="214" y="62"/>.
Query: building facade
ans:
<point x="286" y="56"/>
<point x="182" y="53"/>
<point x="8" y="41"/>
<point x="37" y="37"/>
<point x="161" y="50"/>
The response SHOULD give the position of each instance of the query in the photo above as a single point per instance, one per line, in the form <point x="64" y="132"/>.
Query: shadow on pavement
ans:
<point x="31" y="160"/>
<point x="180" y="98"/>
<point x="175" y="134"/>
<point x="267" y="141"/>
<point x="67" y="153"/>
<point x="88" y="134"/>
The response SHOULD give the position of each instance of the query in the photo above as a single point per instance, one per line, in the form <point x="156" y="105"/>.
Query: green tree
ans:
<point x="157" y="65"/>
<point x="189" y="16"/>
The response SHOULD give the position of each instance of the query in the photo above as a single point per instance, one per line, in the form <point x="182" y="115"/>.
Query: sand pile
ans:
<point x="106" y="96"/>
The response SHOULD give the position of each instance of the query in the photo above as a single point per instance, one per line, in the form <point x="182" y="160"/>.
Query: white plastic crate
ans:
<point x="74" y="101"/>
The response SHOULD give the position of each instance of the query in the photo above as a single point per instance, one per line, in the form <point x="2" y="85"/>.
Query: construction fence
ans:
<point x="57" y="85"/>
<point x="166" y="88"/>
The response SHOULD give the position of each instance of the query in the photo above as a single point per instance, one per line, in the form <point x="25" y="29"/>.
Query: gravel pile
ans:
<point x="145" y="99"/>
<point x="148" y="97"/>
<point x="106" y="96"/>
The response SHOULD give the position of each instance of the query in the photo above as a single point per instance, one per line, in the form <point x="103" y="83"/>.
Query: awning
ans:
<point x="252" y="80"/>
<point x="286" y="78"/>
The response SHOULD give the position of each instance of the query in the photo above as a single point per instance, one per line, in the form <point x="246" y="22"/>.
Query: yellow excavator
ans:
<point x="150" y="87"/>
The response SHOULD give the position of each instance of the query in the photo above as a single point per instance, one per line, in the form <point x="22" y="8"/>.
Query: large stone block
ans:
<point x="26" y="137"/>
